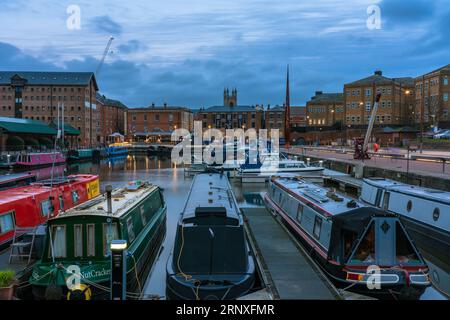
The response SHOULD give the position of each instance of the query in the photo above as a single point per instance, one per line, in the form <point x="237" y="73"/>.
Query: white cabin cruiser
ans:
<point x="262" y="172"/>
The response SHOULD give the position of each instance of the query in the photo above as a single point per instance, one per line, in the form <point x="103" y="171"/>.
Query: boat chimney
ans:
<point x="108" y="190"/>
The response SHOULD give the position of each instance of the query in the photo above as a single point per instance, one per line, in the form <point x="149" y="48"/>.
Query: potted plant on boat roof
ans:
<point x="7" y="282"/>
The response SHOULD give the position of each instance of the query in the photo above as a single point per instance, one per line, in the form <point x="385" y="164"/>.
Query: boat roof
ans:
<point x="37" y="188"/>
<point x="14" y="194"/>
<point x="210" y="190"/>
<point x="4" y="178"/>
<point x="40" y="153"/>
<point x="320" y="197"/>
<point x="426" y="193"/>
<point x="122" y="199"/>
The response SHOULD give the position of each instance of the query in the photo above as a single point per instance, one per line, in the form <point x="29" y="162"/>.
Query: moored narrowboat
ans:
<point x="79" y="155"/>
<point x="42" y="159"/>
<point x="79" y="239"/>
<point x="13" y="180"/>
<point x="211" y="259"/>
<point x="118" y="149"/>
<point x="31" y="206"/>
<point x="361" y="248"/>
<point x="425" y="212"/>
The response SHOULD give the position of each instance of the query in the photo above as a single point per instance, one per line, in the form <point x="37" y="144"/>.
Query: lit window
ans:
<point x="78" y="240"/>
<point x="90" y="240"/>
<point x="58" y="247"/>
<point x="110" y="232"/>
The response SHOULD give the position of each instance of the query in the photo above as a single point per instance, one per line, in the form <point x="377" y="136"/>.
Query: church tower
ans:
<point x="229" y="100"/>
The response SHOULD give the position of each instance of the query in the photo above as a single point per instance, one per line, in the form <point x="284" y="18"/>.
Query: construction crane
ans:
<point x="362" y="146"/>
<point x="105" y="53"/>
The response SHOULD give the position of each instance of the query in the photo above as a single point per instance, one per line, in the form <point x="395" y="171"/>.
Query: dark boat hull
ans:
<point x="432" y="242"/>
<point x="135" y="279"/>
<point x="209" y="287"/>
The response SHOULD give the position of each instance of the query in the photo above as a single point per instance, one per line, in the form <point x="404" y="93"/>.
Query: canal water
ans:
<point x="162" y="172"/>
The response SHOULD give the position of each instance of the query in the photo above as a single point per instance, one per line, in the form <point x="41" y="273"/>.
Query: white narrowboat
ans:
<point x="425" y="212"/>
<point x="360" y="247"/>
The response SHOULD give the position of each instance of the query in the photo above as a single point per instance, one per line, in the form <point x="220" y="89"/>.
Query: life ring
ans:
<point x="79" y="292"/>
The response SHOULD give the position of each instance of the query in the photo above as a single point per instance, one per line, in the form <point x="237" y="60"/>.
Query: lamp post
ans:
<point x="118" y="269"/>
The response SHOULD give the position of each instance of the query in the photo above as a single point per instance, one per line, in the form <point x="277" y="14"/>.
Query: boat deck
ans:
<point x="344" y="183"/>
<point x="291" y="273"/>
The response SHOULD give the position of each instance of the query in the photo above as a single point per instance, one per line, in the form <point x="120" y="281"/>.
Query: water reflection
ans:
<point x="162" y="172"/>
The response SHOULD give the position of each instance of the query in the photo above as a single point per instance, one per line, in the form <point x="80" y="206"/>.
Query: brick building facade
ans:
<point x="37" y="96"/>
<point x="434" y="108"/>
<point x="155" y="121"/>
<point x="396" y="105"/>
<point x="325" y="110"/>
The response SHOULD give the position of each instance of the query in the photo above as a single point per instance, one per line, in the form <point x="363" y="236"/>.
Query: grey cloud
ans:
<point x="106" y="24"/>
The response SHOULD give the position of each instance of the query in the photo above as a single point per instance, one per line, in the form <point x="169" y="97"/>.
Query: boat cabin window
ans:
<point x="143" y="216"/>
<point x="90" y="235"/>
<point x="75" y="197"/>
<point x="436" y="214"/>
<point x="61" y="202"/>
<point x="78" y="240"/>
<point x="317" y="227"/>
<point x="299" y="212"/>
<point x="348" y="238"/>
<point x="6" y="222"/>
<point x="58" y="241"/>
<point x="46" y="207"/>
<point x="405" y="251"/>
<point x="130" y="229"/>
<point x="366" y="249"/>
<point x="387" y="195"/>
<point x="378" y="198"/>
<point x="409" y="206"/>
<point x="110" y="232"/>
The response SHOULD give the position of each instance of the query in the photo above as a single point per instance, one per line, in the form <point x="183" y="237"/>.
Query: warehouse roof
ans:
<point x="49" y="78"/>
<point x="110" y="102"/>
<point x="321" y="97"/>
<point x="378" y="79"/>
<point x="14" y="125"/>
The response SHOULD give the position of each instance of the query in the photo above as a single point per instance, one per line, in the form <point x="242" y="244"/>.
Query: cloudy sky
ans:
<point x="184" y="52"/>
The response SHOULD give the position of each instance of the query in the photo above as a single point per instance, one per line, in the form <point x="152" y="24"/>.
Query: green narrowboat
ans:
<point x="79" y="155"/>
<point x="76" y="262"/>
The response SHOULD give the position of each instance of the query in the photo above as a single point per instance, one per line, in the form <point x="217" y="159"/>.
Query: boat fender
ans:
<point x="79" y="292"/>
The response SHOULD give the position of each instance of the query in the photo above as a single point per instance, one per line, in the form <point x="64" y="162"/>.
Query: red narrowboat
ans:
<point x="33" y="205"/>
